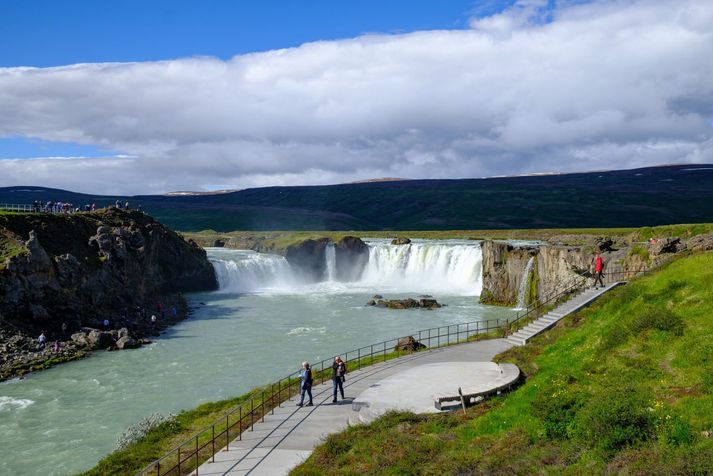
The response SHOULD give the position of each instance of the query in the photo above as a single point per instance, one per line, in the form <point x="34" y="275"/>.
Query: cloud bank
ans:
<point x="612" y="84"/>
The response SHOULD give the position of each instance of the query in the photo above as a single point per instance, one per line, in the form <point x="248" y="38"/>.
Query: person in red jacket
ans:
<point x="598" y="270"/>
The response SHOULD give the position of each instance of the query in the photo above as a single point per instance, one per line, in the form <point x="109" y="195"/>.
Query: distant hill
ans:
<point x="622" y="198"/>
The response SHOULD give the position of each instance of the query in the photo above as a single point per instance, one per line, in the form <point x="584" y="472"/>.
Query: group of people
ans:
<point x="50" y="206"/>
<point x="59" y="207"/>
<point x="42" y="343"/>
<point x="339" y="372"/>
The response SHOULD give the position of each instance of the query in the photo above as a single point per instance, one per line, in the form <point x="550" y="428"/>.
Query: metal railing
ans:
<point x="186" y="457"/>
<point x="17" y="207"/>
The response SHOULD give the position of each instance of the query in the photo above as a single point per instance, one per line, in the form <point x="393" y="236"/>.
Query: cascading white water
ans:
<point x="453" y="268"/>
<point x="244" y="271"/>
<point x="521" y="294"/>
<point x="425" y="267"/>
<point x="330" y="257"/>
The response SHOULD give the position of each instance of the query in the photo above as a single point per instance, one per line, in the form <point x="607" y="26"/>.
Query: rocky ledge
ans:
<point x="99" y="280"/>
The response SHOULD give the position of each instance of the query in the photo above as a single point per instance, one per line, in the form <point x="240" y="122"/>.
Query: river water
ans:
<point x="261" y="324"/>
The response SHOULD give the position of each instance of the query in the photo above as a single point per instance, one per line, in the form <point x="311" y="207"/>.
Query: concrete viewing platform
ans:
<point x="420" y="389"/>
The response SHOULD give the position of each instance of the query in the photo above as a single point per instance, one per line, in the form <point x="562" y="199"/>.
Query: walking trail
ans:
<point x="287" y="437"/>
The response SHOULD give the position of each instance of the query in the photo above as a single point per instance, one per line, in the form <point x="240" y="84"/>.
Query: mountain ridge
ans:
<point x="634" y="197"/>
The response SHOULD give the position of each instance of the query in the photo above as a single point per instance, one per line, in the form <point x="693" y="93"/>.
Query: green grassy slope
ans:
<point x="623" y="387"/>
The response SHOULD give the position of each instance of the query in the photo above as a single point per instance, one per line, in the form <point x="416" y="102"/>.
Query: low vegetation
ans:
<point x="280" y="240"/>
<point x="623" y="387"/>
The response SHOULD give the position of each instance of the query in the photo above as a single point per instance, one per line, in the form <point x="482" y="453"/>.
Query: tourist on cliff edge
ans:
<point x="598" y="269"/>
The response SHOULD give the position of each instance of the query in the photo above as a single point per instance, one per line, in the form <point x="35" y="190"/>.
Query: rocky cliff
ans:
<point x="556" y="266"/>
<point x="65" y="274"/>
<point x="352" y="256"/>
<point x="503" y="267"/>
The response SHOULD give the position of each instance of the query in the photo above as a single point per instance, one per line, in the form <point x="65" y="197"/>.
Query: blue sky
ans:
<point x="46" y="33"/>
<point x="152" y="96"/>
<point x="53" y="33"/>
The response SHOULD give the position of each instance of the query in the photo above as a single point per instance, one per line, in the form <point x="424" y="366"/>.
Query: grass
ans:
<point x="10" y="247"/>
<point x="622" y="387"/>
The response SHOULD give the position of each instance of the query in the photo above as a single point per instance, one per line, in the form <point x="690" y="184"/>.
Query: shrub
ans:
<point x="557" y="405"/>
<point x="138" y="431"/>
<point x="615" y="418"/>
<point x="650" y="318"/>
<point x="658" y="318"/>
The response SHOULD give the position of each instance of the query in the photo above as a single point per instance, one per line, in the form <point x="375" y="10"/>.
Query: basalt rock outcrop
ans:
<point x="400" y="241"/>
<point x="408" y="344"/>
<point x="557" y="266"/>
<point x="308" y="257"/>
<point x="72" y="272"/>
<point x="503" y="266"/>
<point x="351" y="256"/>
<point x="408" y="303"/>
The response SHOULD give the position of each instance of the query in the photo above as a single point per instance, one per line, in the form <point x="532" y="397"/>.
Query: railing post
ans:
<point x="212" y="440"/>
<point x="252" y="414"/>
<point x="262" y="405"/>
<point x="179" y="460"/>
<point x="158" y="468"/>
<point x="196" y="455"/>
<point x="227" y="431"/>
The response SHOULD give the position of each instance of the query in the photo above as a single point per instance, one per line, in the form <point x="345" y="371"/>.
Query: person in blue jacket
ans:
<point x="306" y="384"/>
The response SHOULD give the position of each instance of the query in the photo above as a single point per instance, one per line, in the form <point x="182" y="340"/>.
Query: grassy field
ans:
<point x="280" y="240"/>
<point x="623" y="387"/>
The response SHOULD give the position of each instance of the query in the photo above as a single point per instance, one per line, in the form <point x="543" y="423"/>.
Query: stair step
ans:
<point x="515" y="341"/>
<point x="539" y="327"/>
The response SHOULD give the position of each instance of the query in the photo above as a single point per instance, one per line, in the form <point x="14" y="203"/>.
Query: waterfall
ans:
<point x="244" y="271"/>
<point x="423" y="267"/>
<point x="331" y="261"/>
<point x="521" y="295"/>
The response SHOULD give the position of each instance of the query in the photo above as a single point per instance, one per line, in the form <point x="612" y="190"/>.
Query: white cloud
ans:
<point x="611" y="84"/>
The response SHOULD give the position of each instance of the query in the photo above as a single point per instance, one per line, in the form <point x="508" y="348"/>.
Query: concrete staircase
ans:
<point x="574" y="304"/>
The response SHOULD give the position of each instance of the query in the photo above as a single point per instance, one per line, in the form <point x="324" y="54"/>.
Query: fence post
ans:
<point x="196" y="455"/>
<point x="212" y="440"/>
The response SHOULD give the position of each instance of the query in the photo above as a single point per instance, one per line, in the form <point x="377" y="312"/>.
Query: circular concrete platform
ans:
<point x="414" y="389"/>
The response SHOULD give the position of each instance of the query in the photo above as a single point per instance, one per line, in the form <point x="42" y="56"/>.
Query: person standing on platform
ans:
<point x="339" y="369"/>
<point x="306" y="379"/>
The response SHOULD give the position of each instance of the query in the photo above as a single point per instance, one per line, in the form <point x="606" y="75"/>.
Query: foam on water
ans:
<point x="11" y="404"/>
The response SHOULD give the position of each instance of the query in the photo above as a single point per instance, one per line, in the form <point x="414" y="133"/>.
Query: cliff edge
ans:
<point x="64" y="275"/>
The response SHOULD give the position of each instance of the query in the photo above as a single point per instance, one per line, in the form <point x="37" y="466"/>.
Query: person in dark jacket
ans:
<point x="306" y="384"/>
<point x="339" y="370"/>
